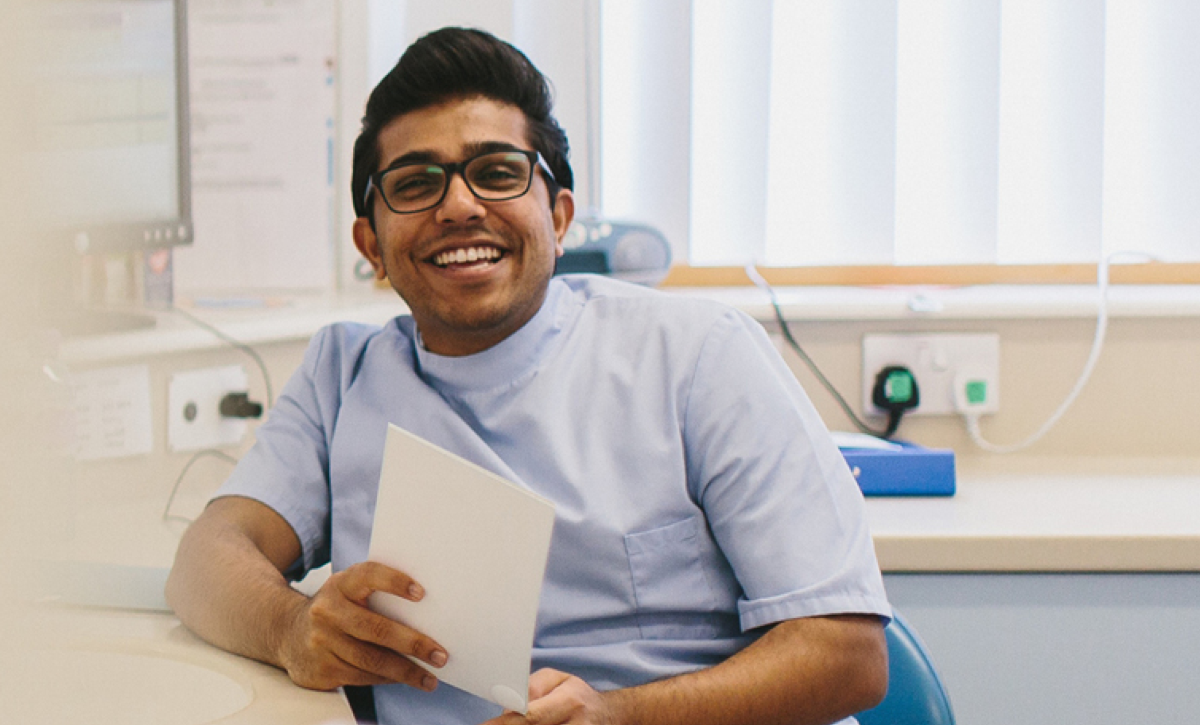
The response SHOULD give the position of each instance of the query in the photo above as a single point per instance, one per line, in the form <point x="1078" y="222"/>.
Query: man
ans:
<point x="709" y="562"/>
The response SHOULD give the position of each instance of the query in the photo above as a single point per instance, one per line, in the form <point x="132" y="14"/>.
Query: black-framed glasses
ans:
<point x="491" y="176"/>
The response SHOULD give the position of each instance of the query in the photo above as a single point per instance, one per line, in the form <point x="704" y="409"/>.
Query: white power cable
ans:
<point x="972" y="419"/>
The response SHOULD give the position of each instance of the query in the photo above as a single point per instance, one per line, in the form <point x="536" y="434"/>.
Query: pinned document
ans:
<point x="478" y="545"/>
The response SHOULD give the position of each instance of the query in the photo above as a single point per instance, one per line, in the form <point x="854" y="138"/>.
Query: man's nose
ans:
<point x="459" y="204"/>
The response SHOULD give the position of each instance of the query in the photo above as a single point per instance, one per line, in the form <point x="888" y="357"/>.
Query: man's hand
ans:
<point x="556" y="698"/>
<point x="227" y="586"/>
<point x="335" y="639"/>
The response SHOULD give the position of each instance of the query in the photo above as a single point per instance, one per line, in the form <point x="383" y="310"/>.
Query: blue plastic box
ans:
<point x="904" y="470"/>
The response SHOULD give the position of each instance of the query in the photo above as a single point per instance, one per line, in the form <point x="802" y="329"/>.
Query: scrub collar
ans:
<point x="509" y="362"/>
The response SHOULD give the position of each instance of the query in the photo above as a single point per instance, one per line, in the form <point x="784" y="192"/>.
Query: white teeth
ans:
<point x="463" y="256"/>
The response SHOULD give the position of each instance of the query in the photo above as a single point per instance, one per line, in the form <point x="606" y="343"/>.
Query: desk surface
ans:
<point x="1021" y="515"/>
<point x="1008" y="515"/>
<point x="1048" y="516"/>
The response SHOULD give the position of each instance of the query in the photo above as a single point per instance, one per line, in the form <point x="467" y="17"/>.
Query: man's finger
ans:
<point x="341" y="606"/>
<point x="357" y="582"/>
<point x="379" y="630"/>
<point x="544" y="681"/>
<point x="374" y="665"/>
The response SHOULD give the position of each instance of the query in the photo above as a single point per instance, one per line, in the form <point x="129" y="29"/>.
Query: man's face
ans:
<point x="465" y="307"/>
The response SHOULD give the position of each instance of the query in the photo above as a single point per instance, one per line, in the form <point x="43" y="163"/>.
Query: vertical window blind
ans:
<point x="904" y="132"/>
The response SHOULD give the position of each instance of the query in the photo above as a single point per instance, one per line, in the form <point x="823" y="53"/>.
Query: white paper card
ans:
<point x="478" y="545"/>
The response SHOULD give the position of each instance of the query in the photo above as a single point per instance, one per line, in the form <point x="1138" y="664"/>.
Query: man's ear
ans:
<point x="368" y="245"/>
<point x="564" y="214"/>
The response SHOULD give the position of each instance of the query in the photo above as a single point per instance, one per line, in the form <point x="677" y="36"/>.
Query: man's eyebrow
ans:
<point x="469" y="150"/>
<point x="412" y="157"/>
<point x="487" y="147"/>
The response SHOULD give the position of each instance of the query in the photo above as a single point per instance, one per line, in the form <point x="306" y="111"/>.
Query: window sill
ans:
<point x="976" y="302"/>
<point x="957" y="275"/>
<point x="298" y="319"/>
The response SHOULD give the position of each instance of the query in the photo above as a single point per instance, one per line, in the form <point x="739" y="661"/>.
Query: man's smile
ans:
<point x="484" y="254"/>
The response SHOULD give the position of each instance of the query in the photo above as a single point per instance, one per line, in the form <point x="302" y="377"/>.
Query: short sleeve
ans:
<point x="287" y="468"/>
<point x="778" y="495"/>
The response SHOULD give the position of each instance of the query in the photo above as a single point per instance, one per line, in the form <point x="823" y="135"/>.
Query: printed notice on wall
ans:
<point x="112" y="412"/>
<point x="262" y="109"/>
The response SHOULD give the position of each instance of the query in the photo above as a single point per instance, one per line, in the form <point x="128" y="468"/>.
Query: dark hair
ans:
<point x="460" y="63"/>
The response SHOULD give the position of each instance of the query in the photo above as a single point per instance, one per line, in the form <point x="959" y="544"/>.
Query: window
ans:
<point x="904" y="132"/>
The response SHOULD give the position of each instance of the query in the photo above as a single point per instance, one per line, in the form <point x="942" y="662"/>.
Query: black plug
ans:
<point x="896" y="392"/>
<point x="239" y="405"/>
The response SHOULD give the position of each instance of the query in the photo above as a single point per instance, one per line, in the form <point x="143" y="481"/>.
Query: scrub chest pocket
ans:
<point x="669" y="576"/>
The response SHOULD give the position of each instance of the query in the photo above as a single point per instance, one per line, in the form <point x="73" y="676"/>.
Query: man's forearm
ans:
<point x="813" y="670"/>
<point x="224" y="589"/>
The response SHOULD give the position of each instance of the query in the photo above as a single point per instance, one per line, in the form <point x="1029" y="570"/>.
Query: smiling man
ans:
<point x="709" y="562"/>
<point x="475" y="225"/>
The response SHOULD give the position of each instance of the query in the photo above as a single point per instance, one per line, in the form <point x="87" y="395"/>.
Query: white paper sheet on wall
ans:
<point x="262" y="112"/>
<point x="478" y="545"/>
<point x="112" y="412"/>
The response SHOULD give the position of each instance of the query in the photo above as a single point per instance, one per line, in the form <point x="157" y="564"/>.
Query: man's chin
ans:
<point x="481" y="323"/>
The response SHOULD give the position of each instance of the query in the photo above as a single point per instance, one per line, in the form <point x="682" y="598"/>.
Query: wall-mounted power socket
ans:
<point x="955" y="372"/>
<point x="194" y="419"/>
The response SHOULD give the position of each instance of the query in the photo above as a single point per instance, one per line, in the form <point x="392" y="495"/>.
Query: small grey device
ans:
<point x="624" y="250"/>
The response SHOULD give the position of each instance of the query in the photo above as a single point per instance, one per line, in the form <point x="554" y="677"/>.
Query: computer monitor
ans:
<point x="111" y="141"/>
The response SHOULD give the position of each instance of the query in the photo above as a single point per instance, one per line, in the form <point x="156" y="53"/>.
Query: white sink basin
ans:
<point x="87" y="666"/>
<point x="75" y="686"/>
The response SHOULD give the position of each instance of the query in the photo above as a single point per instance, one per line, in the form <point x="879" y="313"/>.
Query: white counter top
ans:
<point x="1011" y="514"/>
<point x="1048" y="516"/>
<point x="251" y="321"/>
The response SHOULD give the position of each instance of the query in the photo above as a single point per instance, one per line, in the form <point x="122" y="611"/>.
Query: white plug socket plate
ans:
<point x="203" y="427"/>
<point x="939" y="362"/>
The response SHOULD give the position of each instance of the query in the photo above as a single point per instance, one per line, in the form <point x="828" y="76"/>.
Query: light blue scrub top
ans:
<point x="698" y="494"/>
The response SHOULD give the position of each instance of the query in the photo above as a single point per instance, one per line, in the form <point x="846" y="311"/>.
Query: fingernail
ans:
<point x="438" y="658"/>
<point x="415" y="591"/>
<point x="429" y="682"/>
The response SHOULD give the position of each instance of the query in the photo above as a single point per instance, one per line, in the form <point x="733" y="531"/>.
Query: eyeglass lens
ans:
<point x="492" y="177"/>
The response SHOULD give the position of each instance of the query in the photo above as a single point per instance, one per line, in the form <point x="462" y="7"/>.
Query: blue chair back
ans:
<point x="915" y="693"/>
